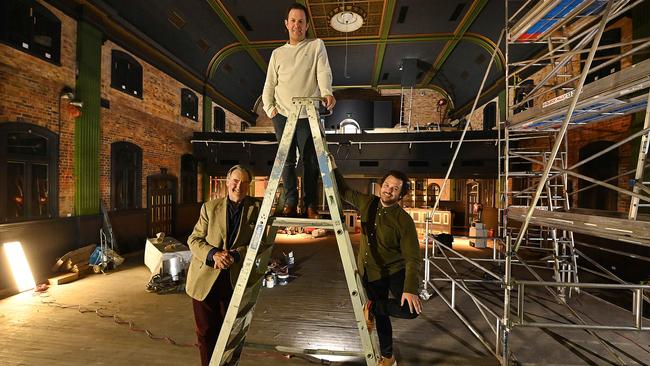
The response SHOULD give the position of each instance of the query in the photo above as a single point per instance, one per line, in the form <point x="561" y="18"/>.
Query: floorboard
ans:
<point x="312" y="311"/>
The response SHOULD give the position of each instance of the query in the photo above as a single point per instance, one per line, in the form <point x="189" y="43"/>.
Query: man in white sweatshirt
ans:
<point x="299" y="68"/>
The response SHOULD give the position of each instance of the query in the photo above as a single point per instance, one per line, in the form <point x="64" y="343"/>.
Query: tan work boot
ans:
<point x="387" y="361"/>
<point x="370" y="319"/>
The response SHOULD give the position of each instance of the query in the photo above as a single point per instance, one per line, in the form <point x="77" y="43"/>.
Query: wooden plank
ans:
<point x="77" y="253"/>
<point x="64" y="278"/>
<point x="631" y="231"/>
<point x="621" y="83"/>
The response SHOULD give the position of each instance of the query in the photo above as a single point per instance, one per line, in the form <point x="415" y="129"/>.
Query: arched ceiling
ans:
<point x="223" y="46"/>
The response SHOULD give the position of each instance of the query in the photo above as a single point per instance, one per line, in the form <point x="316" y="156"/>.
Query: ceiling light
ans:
<point x="347" y="18"/>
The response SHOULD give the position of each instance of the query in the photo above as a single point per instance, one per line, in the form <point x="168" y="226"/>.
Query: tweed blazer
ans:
<point x="210" y="232"/>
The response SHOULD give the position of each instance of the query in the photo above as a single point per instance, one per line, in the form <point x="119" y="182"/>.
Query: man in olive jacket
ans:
<point x="389" y="256"/>
<point x="218" y="244"/>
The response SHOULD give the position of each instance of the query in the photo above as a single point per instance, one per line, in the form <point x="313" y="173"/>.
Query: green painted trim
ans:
<point x="502" y="106"/>
<point x="87" y="127"/>
<point x="229" y="22"/>
<point x="383" y="35"/>
<point x="474" y="38"/>
<point x="467" y="21"/>
<point x="207" y="113"/>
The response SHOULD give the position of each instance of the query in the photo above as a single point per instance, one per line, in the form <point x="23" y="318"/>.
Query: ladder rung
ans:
<point x="292" y="221"/>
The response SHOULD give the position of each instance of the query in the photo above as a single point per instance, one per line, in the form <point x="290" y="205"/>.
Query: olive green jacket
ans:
<point x="396" y="246"/>
<point x="211" y="232"/>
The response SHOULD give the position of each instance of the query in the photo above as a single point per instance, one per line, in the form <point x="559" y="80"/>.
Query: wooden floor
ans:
<point x="313" y="311"/>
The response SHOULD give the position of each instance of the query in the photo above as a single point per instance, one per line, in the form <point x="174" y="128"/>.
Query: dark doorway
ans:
<point x="601" y="168"/>
<point x="161" y="198"/>
<point x="189" y="178"/>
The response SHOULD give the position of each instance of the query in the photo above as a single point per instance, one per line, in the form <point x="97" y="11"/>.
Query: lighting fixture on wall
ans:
<point x="19" y="266"/>
<point x="347" y="18"/>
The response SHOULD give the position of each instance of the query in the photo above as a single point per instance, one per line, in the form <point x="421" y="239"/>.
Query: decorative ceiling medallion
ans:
<point x="347" y="18"/>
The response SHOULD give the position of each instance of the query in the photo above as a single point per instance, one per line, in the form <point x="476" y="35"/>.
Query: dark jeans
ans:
<point x="383" y="307"/>
<point x="209" y="315"/>
<point x="303" y="141"/>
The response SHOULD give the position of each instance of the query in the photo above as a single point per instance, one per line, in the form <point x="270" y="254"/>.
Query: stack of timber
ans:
<point x="74" y="264"/>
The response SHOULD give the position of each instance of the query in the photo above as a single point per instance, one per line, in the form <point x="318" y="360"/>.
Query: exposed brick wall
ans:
<point x="233" y="121"/>
<point x="154" y="123"/>
<point x="613" y="130"/>
<point x="30" y="88"/>
<point x="423" y="104"/>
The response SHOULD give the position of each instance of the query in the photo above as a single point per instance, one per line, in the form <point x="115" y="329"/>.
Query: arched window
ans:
<point x="28" y="172"/>
<point x="490" y="116"/>
<point x="189" y="179"/>
<point x="219" y="123"/>
<point x="349" y="125"/>
<point x="189" y="104"/>
<point x="126" y="175"/>
<point x="433" y="191"/>
<point x="126" y="73"/>
<point x="30" y="27"/>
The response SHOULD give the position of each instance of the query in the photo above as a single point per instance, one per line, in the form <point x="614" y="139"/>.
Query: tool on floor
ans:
<point x="242" y="304"/>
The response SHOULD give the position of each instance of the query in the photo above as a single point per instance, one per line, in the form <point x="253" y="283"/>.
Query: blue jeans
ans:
<point x="303" y="141"/>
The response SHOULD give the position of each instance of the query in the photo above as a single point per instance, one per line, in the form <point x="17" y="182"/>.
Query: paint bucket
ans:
<point x="270" y="281"/>
<point x="283" y="279"/>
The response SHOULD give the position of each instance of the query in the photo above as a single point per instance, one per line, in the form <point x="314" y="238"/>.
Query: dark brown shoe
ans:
<point x="289" y="211"/>
<point x="312" y="213"/>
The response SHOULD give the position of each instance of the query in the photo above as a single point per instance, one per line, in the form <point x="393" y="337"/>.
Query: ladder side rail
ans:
<point x="256" y="239"/>
<point x="355" y="287"/>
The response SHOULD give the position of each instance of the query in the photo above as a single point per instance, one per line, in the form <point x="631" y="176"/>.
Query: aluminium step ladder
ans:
<point x="242" y="304"/>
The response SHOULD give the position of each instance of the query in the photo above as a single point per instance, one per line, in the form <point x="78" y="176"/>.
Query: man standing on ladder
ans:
<point x="299" y="68"/>
<point x="389" y="256"/>
<point x="218" y="244"/>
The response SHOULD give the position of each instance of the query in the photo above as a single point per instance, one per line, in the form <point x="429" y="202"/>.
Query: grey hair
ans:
<point x="243" y="169"/>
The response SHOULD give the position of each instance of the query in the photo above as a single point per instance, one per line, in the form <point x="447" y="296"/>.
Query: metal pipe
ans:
<point x="565" y="125"/>
<point x="607" y="286"/>
<point x="576" y="326"/>
<point x="588" y="179"/>
<point x="640" y="164"/>
<point x="469" y="119"/>
<point x="577" y="52"/>
<point x="520" y="302"/>
<point x="639" y="309"/>
<point x="579" y="36"/>
<point x="631" y="255"/>
<point x="592" y="70"/>
<point x="471" y="261"/>
<point x="557" y="298"/>
<point x="477" y="301"/>
<point x="466" y="322"/>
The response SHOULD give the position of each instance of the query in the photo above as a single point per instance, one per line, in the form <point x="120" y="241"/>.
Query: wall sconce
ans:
<point x="19" y="266"/>
<point x="73" y="106"/>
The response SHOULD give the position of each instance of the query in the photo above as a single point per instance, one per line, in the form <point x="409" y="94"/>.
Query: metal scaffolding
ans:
<point x="537" y="223"/>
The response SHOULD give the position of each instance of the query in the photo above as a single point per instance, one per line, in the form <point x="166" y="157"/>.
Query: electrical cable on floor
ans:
<point x="42" y="293"/>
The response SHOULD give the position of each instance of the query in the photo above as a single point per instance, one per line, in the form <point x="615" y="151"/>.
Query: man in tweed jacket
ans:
<point x="218" y="244"/>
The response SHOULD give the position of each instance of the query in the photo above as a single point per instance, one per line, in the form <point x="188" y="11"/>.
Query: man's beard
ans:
<point x="388" y="201"/>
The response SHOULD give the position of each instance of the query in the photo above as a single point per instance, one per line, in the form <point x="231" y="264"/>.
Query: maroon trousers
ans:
<point x="209" y="315"/>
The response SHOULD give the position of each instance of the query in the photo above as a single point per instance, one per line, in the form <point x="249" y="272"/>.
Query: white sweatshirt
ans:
<point x="300" y="70"/>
